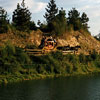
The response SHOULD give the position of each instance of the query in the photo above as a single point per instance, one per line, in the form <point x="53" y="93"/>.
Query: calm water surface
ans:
<point x="70" y="88"/>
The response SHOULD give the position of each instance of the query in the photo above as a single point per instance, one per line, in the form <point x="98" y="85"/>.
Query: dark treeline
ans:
<point x="56" y="21"/>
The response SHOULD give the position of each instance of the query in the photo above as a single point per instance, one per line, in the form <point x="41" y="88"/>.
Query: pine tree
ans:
<point x="21" y="17"/>
<point x="59" y="23"/>
<point x="3" y="21"/>
<point x="52" y="10"/>
<point x="74" y="19"/>
<point x="84" y="20"/>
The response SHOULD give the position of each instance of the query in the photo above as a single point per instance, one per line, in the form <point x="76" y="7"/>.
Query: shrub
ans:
<point x="97" y="64"/>
<point x="12" y="58"/>
<point x="82" y="58"/>
<point x="31" y="47"/>
<point x="69" y="67"/>
<point x="94" y="55"/>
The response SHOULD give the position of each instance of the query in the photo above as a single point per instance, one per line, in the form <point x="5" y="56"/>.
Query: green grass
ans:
<point x="16" y="65"/>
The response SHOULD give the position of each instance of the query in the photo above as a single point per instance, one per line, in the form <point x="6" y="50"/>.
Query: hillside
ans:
<point x="86" y="41"/>
<point x="16" y="65"/>
<point x="21" y="39"/>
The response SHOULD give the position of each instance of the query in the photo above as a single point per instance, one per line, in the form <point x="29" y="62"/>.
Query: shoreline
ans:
<point x="20" y="78"/>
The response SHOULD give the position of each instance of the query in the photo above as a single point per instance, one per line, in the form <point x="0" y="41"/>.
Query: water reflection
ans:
<point x="70" y="88"/>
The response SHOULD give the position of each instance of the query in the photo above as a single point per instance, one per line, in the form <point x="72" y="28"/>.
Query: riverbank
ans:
<point x="61" y="88"/>
<point x="6" y="79"/>
<point x="16" y="65"/>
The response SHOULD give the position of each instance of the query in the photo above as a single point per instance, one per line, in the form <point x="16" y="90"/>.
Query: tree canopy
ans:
<point x="21" y="17"/>
<point x="76" y="20"/>
<point x="56" y="20"/>
<point x="3" y="21"/>
<point x="84" y="20"/>
<point x="51" y="11"/>
<point x="59" y="24"/>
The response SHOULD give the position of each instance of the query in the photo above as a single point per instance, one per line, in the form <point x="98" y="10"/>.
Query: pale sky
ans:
<point x="37" y="8"/>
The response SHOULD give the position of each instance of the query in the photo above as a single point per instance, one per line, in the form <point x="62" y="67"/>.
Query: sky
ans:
<point x="37" y="8"/>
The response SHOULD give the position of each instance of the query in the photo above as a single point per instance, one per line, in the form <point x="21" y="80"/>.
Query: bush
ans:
<point x="72" y="58"/>
<point x="12" y="58"/>
<point x="97" y="64"/>
<point x="31" y="47"/>
<point x="94" y="55"/>
<point x="57" y="55"/>
<point x="82" y="58"/>
<point x="69" y="68"/>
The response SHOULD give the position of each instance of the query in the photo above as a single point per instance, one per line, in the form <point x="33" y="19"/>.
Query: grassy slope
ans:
<point x="66" y="67"/>
<point x="49" y="66"/>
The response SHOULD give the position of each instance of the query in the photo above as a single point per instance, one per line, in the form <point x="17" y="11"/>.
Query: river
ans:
<point x="70" y="88"/>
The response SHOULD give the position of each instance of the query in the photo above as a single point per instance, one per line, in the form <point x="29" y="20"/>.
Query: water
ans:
<point x="70" y="88"/>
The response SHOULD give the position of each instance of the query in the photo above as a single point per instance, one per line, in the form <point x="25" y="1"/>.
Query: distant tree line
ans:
<point x="56" y="21"/>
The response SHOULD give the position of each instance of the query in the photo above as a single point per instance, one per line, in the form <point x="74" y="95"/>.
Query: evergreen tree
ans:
<point x="3" y="21"/>
<point x="59" y="25"/>
<point x="21" y="17"/>
<point x="84" y="20"/>
<point x="74" y="19"/>
<point x="32" y="25"/>
<point x="51" y="11"/>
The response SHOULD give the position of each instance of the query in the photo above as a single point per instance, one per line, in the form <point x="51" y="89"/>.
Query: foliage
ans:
<point x="78" y="22"/>
<point x="32" y="25"/>
<point x="74" y="19"/>
<point x="68" y="64"/>
<point x="21" y="17"/>
<point x="82" y="58"/>
<point x="58" y="25"/>
<point x="3" y="21"/>
<point x="12" y="59"/>
<point x="84" y="20"/>
<point x="42" y="26"/>
<point x="31" y="47"/>
<point x="94" y="55"/>
<point x="51" y="11"/>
